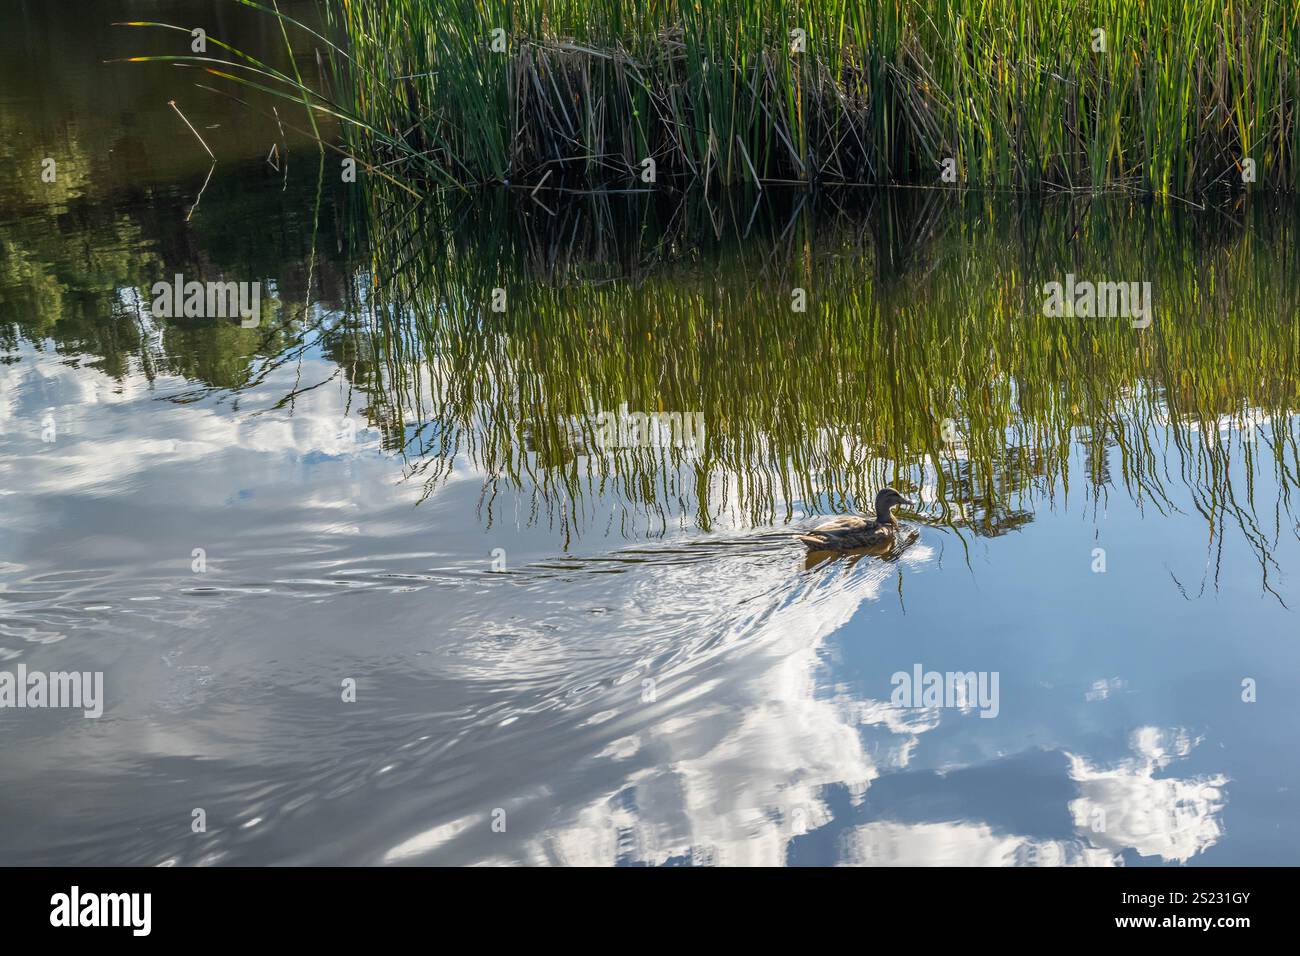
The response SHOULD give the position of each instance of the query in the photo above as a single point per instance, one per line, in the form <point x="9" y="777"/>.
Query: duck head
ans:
<point x="885" y="501"/>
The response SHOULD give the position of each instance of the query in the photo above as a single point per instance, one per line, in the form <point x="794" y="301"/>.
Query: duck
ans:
<point x="850" y="532"/>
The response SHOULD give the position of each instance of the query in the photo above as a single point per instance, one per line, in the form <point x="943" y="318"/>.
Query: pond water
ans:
<point x="369" y="582"/>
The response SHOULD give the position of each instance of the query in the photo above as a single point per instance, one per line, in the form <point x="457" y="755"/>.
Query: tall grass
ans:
<point x="1017" y="92"/>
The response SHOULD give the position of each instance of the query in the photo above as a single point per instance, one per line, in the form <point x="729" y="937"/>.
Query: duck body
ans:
<point x="847" y="533"/>
<point x="851" y="532"/>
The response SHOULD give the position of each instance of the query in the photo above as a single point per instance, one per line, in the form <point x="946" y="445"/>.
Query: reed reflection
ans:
<point x="921" y="358"/>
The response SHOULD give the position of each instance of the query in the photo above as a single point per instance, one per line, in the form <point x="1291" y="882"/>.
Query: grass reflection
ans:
<point x="923" y="359"/>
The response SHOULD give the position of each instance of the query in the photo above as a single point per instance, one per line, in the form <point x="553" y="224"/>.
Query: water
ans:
<point x="569" y="654"/>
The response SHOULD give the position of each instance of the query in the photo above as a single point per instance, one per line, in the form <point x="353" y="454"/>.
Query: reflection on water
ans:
<point x="1167" y="817"/>
<point x="566" y="652"/>
<point x="932" y="374"/>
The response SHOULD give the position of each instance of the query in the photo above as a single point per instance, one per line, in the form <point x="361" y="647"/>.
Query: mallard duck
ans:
<point x="849" y="532"/>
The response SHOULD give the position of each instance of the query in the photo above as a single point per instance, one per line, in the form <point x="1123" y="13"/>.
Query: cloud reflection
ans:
<point x="1128" y="806"/>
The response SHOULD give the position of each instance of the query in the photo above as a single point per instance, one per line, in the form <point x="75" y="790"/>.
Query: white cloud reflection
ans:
<point x="738" y="762"/>
<point x="886" y="843"/>
<point x="1128" y="806"/>
<point x="748" y="771"/>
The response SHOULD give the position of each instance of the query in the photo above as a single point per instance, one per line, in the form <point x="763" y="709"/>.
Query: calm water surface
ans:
<point x="569" y="654"/>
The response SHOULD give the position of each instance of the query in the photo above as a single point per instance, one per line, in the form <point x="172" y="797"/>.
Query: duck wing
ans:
<point x="843" y="524"/>
<point x="847" y="532"/>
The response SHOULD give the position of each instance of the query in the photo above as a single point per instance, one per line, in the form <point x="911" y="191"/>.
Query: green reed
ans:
<point x="1022" y="94"/>
<point x="1167" y="97"/>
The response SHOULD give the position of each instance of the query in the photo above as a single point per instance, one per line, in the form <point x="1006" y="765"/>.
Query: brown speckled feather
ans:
<point x="846" y="533"/>
<point x="851" y="532"/>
